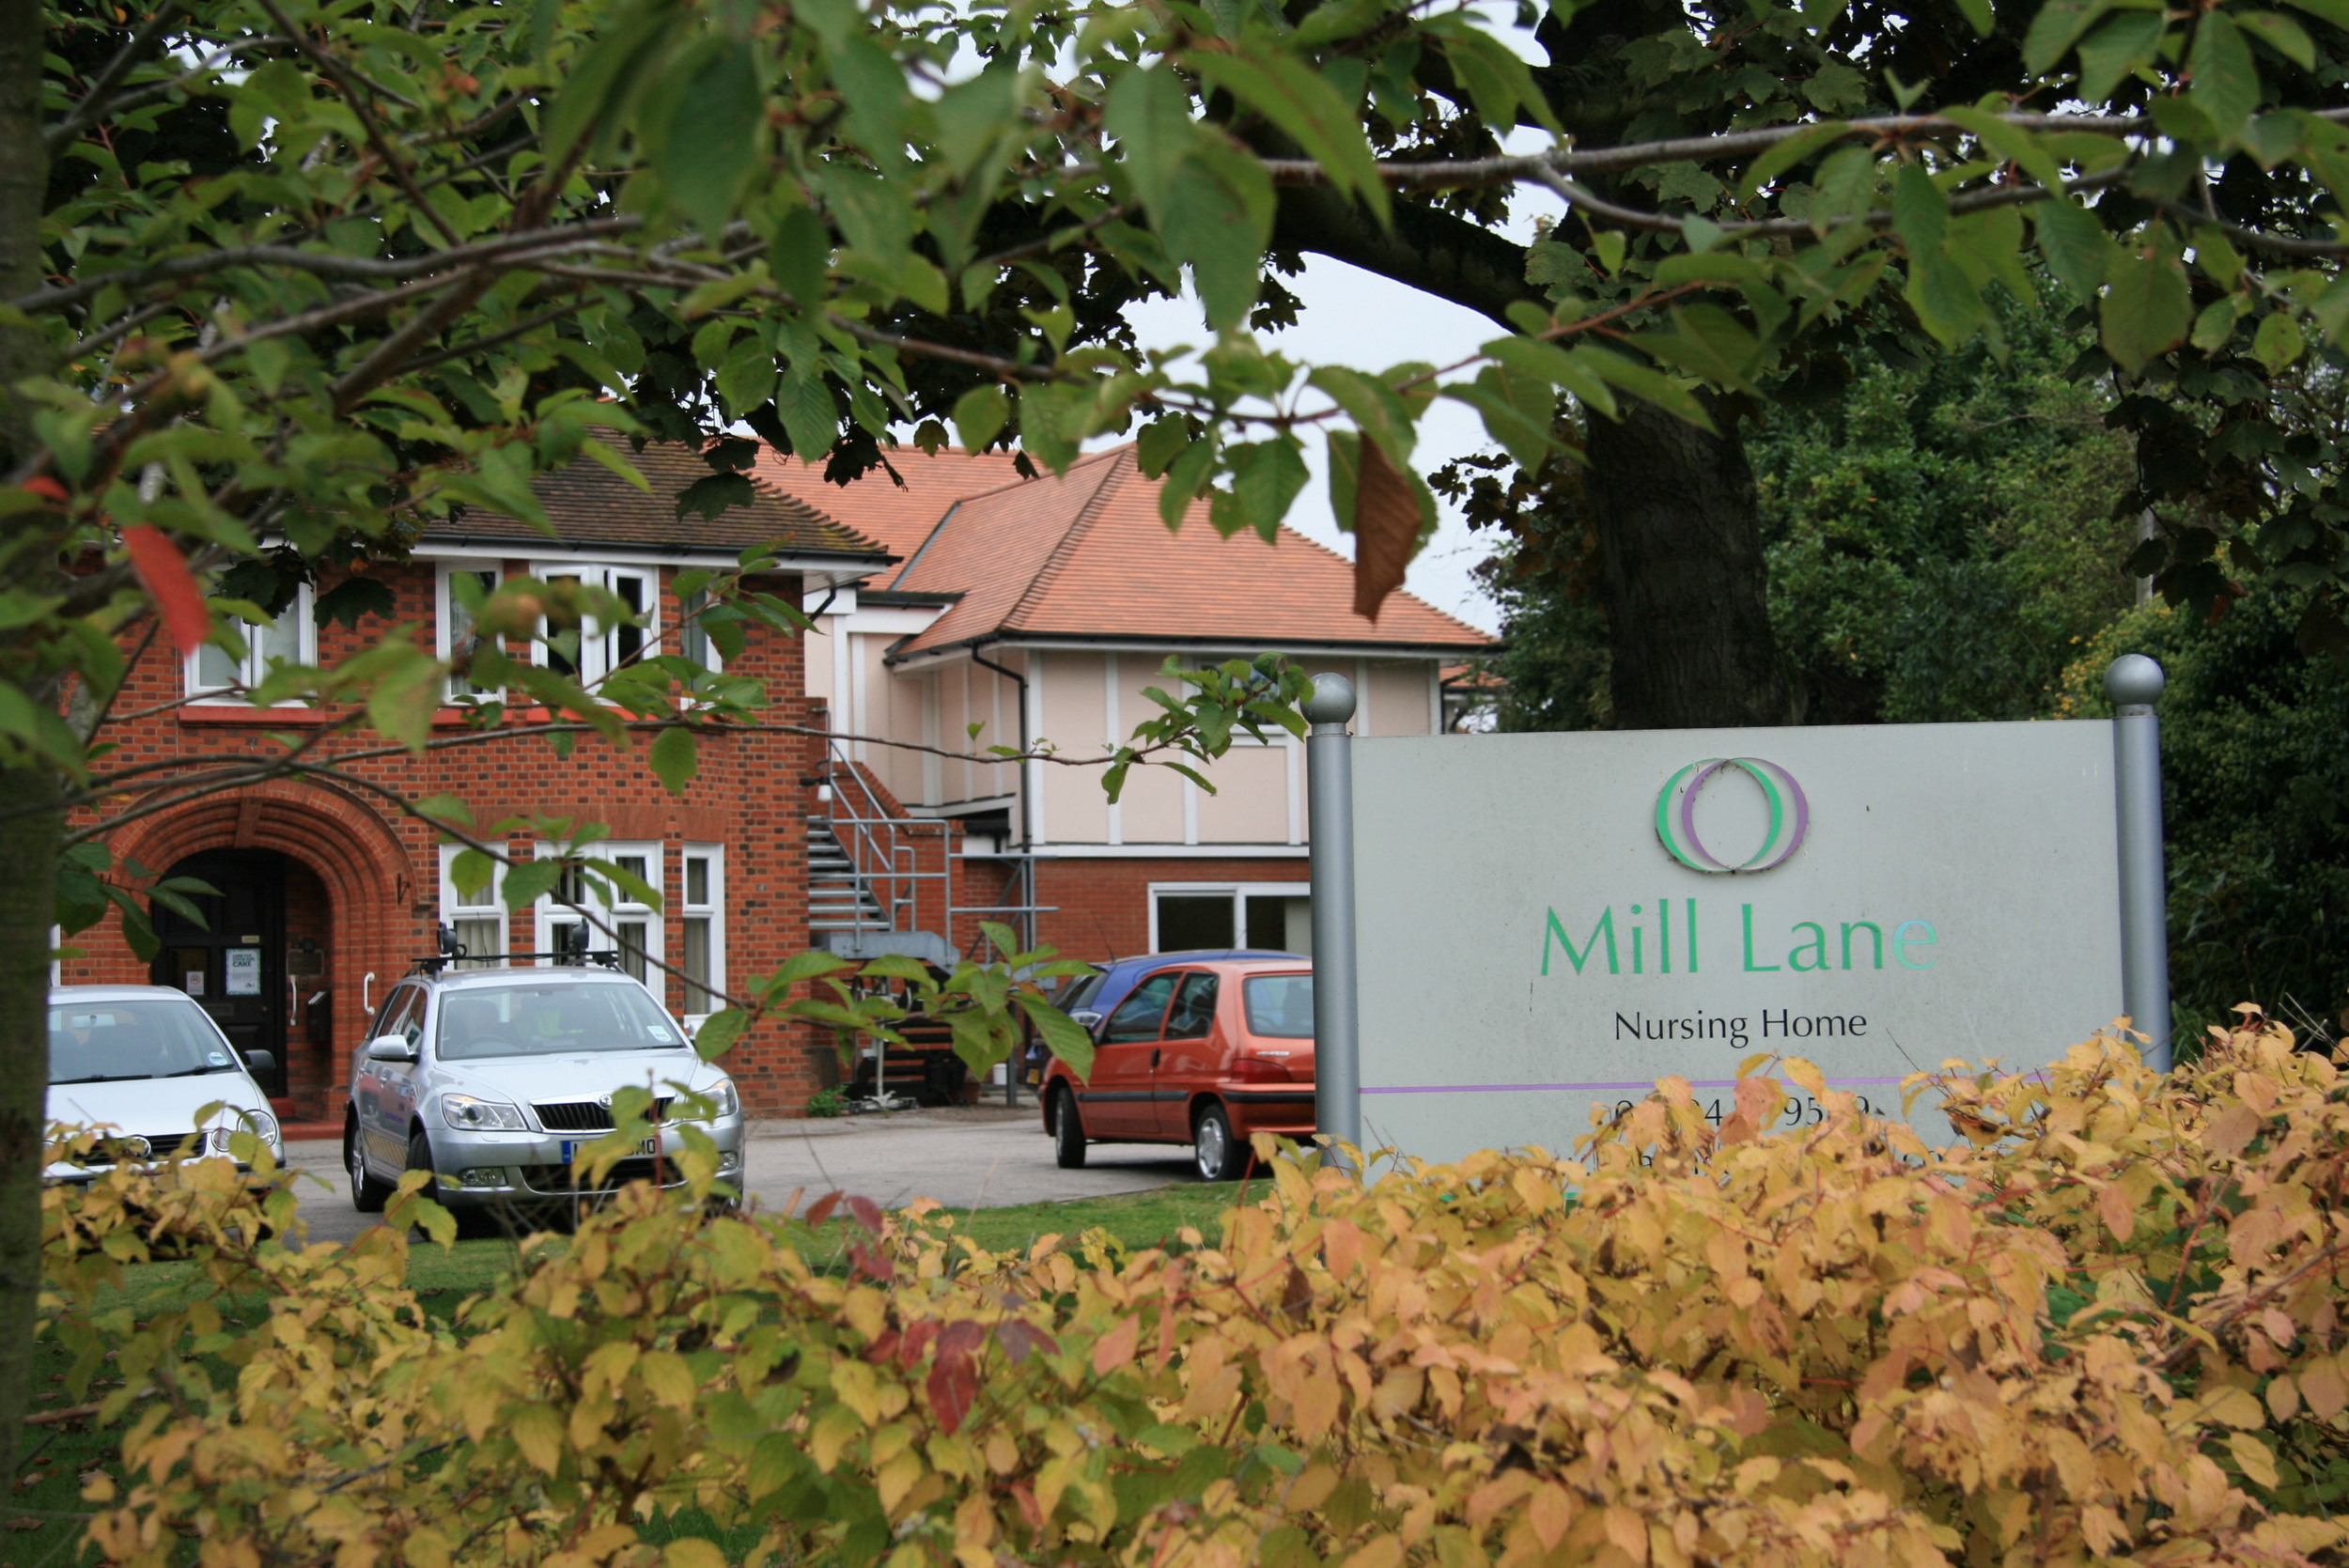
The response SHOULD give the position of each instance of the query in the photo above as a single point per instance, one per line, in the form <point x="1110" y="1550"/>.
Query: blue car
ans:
<point x="1092" y="999"/>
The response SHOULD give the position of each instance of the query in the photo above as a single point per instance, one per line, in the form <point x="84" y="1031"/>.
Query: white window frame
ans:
<point x="548" y="913"/>
<point x="445" y="613"/>
<point x="1235" y="891"/>
<point x="490" y="904"/>
<point x="713" y="909"/>
<point x="710" y="659"/>
<point x="597" y="644"/>
<point x="254" y="667"/>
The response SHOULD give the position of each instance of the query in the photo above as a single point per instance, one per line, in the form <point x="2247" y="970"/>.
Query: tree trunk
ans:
<point x="1680" y="555"/>
<point x="28" y="843"/>
<point x="28" y="846"/>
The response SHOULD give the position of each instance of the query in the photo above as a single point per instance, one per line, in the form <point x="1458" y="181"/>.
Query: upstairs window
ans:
<point x="603" y="648"/>
<point x="477" y="917"/>
<point x="291" y="639"/>
<point x="636" y="926"/>
<point x="455" y="636"/>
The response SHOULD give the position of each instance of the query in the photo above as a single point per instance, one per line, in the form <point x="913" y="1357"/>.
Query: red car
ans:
<point x="1206" y="1052"/>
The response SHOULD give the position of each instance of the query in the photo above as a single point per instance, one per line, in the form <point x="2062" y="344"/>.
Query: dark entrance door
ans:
<point x="235" y="963"/>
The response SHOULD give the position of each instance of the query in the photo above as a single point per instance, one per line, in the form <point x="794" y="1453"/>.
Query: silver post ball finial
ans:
<point x="2134" y="681"/>
<point x="1332" y="702"/>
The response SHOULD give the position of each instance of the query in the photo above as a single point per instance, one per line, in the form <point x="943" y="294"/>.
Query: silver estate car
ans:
<point x="142" y="1061"/>
<point x="496" y="1079"/>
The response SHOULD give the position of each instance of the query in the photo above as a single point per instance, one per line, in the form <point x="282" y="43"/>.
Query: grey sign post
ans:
<point x="2134" y="684"/>
<point x="1330" y="762"/>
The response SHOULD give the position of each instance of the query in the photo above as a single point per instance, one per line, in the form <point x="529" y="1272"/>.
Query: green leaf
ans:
<point x="530" y="881"/>
<point x="2226" y="82"/>
<point x="674" y="758"/>
<point x="1920" y="213"/>
<point x="1061" y="1034"/>
<point x="2334" y="11"/>
<point x="2278" y="341"/>
<point x="1525" y="441"/>
<point x="1298" y="101"/>
<point x="1978" y="13"/>
<point x="980" y="415"/>
<point x="2282" y="34"/>
<point x="716" y="135"/>
<point x="810" y="416"/>
<point x="1374" y="407"/>
<point x="2055" y="28"/>
<point x="2146" y="310"/>
<point x="1266" y="477"/>
<point x="470" y="870"/>
<point x="1148" y="115"/>
<point x="1645" y="384"/>
<point x="1778" y="160"/>
<point x="1528" y="356"/>
<point x="1209" y="227"/>
<point x="808" y="965"/>
<point x="2119" y="46"/>
<point x="1706" y="341"/>
<point x="2077" y="249"/>
<point x="719" y="1031"/>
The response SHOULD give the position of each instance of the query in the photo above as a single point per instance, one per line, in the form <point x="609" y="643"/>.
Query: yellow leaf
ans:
<point x="670" y="1380"/>
<point x="859" y="1389"/>
<point x="1384" y="1552"/>
<point x="833" y="1432"/>
<point x="537" y="1431"/>
<point x="692" y="1552"/>
<point x="2120" y="1214"/>
<point x="2323" y="1386"/>
<point x="2254" y="1458"/>
<point x="1116" y="1348"/>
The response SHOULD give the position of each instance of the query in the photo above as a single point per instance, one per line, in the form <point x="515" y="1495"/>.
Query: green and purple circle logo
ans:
<point x="1676" y="814"/>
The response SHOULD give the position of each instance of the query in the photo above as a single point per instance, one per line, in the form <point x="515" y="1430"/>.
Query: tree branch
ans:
<point x="101" y="90"/>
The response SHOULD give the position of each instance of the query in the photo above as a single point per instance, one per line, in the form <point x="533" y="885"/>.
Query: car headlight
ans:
<point x="259" y="1123"/>
<point x="467" y="1114"/>
<point x="721" y="1098"/>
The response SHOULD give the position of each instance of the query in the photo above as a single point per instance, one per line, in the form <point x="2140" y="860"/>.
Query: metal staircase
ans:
<point x="838" y="899"/>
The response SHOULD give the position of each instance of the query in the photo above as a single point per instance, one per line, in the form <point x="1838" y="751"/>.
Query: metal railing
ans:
<point x="886" y="852"/>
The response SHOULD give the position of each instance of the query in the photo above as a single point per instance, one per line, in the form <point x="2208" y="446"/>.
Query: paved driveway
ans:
<point x="972" y="1157"/>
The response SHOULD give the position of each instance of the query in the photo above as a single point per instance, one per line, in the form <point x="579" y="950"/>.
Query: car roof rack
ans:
<point x="570" y="955"/>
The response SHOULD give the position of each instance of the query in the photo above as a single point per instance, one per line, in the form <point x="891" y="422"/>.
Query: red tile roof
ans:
<point x="1084" y="558"/>
<point x="900" y="515"/>
<point x="591" y="506"/>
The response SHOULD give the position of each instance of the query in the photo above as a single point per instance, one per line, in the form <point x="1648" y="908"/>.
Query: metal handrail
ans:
<point x="884" y="857"/>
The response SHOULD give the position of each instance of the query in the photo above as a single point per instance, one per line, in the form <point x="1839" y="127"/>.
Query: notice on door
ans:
<point x="1549" y="922"/>
<point x="244" y="972"/>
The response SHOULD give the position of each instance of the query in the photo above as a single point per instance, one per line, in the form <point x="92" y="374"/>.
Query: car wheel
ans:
<point x="1068" y="1131"/>
<point x="420" y="1158"/>
<point x="1221" y="1157"/>
<point x="367" y="1193"/>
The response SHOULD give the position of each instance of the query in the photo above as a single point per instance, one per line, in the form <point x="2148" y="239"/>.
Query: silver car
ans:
<point x="496" y="1079"/>
<point x="141" y="1061"/>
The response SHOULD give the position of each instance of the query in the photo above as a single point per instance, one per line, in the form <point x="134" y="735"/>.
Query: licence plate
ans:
<point x="571" y="1146"/>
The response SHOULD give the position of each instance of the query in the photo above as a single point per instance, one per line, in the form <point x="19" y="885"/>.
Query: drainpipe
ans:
<point x="1014" y="1068"/>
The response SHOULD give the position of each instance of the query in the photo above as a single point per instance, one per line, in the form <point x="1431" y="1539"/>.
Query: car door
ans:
<point x="1117" y="1100"/>
<point x="385" y="1117"/>
<point x="1191" y="1054"/>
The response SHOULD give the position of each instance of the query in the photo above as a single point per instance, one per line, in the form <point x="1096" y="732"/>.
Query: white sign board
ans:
<point x="1547" y="921"/>
<point x="244" y="972"/>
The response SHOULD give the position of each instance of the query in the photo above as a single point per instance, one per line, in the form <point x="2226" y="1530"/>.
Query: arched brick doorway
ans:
<point x="345" y="893"/>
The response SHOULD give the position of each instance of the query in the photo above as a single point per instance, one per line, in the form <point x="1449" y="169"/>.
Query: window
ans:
<point x="635" y="923"/>
<point x="692" y="638"/>
<point x="1269" y="917"/>
<point x="701" y="929"/>
<point x="402" y="1015"/>
<point x="1194" y="1013"/>
<point x="1281" y="1005"/>
<point x="605" y="648"/>
<point x="291" y="639"/>
<point x="1137" y="1016"/>
<point x="453" y="636"/>
<point x="478" y="917"/>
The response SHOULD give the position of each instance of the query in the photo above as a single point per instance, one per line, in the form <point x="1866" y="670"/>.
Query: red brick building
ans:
<point x="330" y="893"/>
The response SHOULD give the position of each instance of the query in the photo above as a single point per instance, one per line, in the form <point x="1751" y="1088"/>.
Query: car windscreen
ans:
<point x="103" y="1042"/>
<point x="551" y="1020"/>
<point x="1281" y="1005"/>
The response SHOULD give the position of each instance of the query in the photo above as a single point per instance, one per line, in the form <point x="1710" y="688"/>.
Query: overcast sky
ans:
<point x="1359" y="318"/>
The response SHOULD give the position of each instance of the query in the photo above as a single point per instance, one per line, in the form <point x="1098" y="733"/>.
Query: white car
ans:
<point x="140" y="1062"/>
<point x="496" y="1079"/>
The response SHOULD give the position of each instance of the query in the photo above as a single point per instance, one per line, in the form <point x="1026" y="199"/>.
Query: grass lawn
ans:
<point x="46" y="1535"/>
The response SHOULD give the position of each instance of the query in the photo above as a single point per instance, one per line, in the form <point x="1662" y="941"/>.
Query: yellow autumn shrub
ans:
<point x="2107" y="1329"/>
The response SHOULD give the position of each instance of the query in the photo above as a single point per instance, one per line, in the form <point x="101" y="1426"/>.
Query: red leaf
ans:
<point x="961" y="1337"/>
<point x="866" y="1213"/>
<point x="871" y="1266"/>
<point x="916" y="1342"/>
<point x="953" y="1388"/>
<point x="1022" y="1340"/>
<point x="164" y="572"/>
<point x="1386" y="528"/>
<point x="48" y="488"/>
<point x="883" y="1348"/>
<point x="821" y="1209"/>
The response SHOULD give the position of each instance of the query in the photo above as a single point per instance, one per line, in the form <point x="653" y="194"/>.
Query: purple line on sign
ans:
<point x="1601" y="1088"/>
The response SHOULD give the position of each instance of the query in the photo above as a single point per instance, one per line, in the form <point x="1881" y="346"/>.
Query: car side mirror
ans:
<point x="258" y="1062"/>
<point x="1086" y="1019"/>
<point x="391" y="1048"/>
